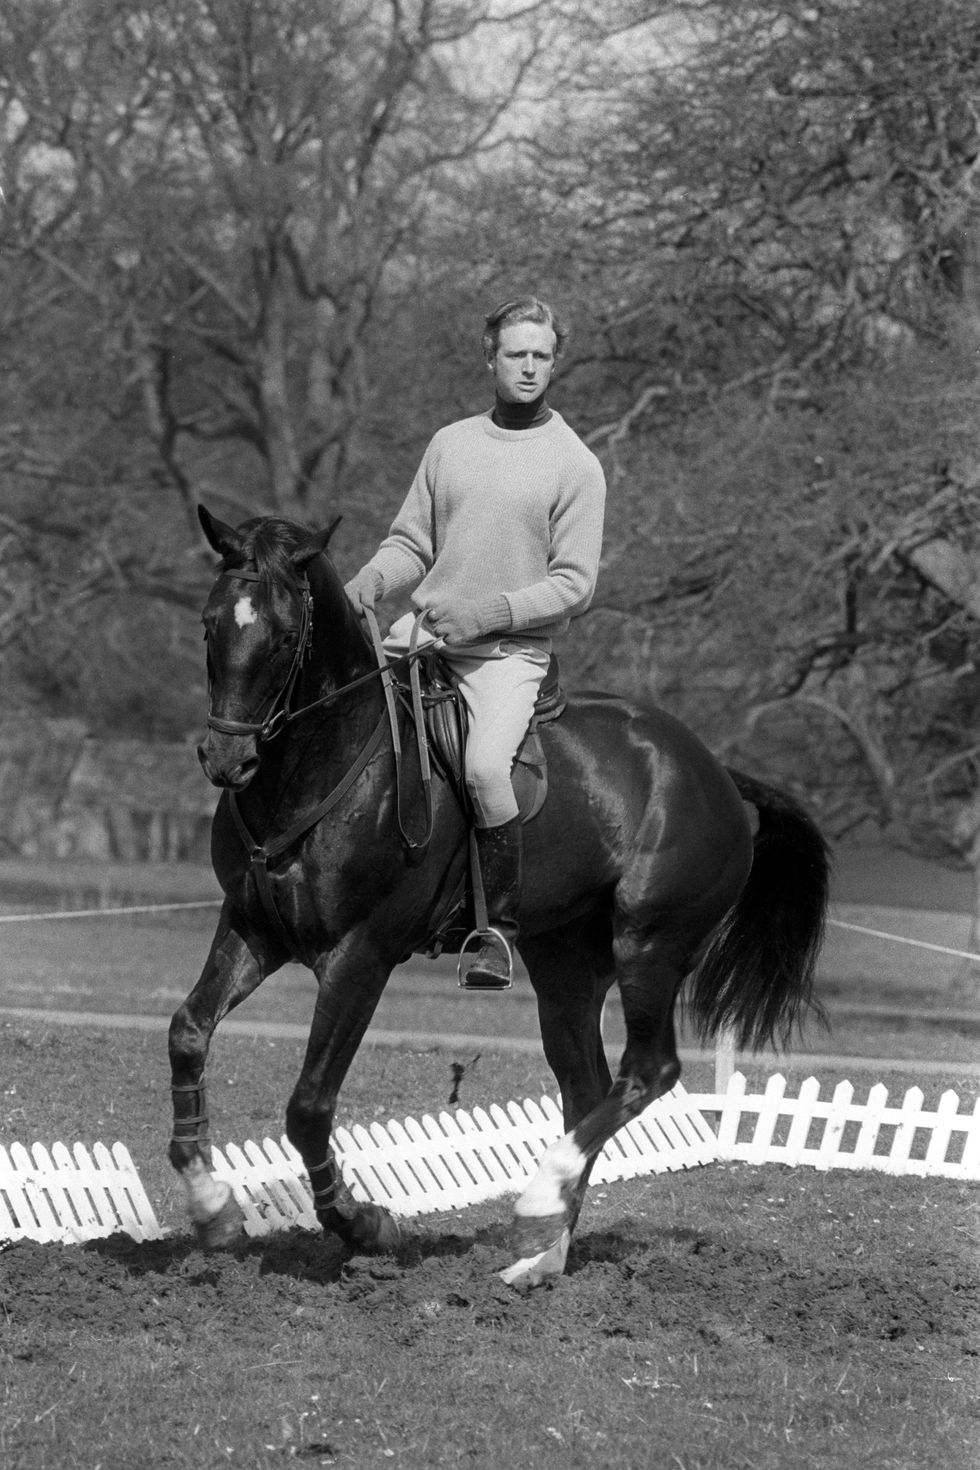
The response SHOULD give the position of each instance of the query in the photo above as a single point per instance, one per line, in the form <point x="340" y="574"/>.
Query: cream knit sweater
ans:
<point x="508" y="518"/>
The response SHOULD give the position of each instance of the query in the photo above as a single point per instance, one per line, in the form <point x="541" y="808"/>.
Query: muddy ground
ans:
<point x="618" y="1282"/>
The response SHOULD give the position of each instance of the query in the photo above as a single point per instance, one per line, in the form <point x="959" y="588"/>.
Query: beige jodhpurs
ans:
<point x="499" y="682"/>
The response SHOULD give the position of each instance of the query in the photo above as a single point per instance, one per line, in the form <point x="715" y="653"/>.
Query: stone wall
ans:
<point x="64" y="795"/>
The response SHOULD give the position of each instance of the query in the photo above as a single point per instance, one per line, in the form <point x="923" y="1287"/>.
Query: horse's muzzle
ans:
<point x="232" y="766"/>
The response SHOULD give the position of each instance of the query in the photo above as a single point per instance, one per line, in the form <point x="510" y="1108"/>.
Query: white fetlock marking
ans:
<point x="561" y="1164"/>
<point x="205" y="1194"/>
<point x="533" y="1270"/>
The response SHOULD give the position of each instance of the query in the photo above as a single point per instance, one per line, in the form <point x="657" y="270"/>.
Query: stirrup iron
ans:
<point x="462" y="979"/>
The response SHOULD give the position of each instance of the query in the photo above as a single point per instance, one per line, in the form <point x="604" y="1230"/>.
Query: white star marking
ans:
<point x="244" y="612"/>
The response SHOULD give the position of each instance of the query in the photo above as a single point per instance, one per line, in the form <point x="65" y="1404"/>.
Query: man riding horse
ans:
<point x="498" y="542"/>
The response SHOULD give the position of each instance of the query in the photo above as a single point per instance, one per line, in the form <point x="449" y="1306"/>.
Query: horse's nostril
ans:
<point x="233" y="775"/>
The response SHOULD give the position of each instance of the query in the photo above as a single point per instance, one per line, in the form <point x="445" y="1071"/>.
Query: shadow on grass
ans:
<point x="302" y="1255"/>
<point x="298" y="1253"/>
<point x="315" y="1259"/>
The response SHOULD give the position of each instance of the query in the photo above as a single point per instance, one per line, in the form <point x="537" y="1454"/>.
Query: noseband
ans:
<point x="279" y="708"/>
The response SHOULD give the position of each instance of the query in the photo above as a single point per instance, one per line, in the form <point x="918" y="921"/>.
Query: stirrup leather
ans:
<point x="462" y="979"/>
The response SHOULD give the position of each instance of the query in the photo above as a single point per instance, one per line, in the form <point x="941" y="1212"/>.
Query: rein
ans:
<point x="261" y="853"/>
<point x="418" y="715"/>
<point x="280" y="715"/>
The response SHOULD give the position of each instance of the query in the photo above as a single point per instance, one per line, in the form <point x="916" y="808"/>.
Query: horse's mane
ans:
<point x="267" y="545"/>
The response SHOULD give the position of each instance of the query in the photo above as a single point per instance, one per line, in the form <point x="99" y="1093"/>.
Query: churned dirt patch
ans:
<point x="625" y="1280"/>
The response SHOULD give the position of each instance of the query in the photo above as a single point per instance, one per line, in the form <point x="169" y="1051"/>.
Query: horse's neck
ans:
<point x="340" y="653"/>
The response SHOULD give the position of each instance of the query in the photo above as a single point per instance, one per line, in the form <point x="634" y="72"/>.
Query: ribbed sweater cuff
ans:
<point x="496" y="616"/>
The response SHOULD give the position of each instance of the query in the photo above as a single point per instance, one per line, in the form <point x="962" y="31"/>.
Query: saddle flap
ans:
<point x="551" y="697"/>
<point x="529" y="776"/>
<point x="446" y="729"/>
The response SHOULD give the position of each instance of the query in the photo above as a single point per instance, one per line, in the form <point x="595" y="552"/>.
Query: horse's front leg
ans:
<point x="351" y="979"/>
<point x="237" y="963"/>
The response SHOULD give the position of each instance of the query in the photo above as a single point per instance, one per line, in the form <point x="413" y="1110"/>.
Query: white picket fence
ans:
<point x="461" y="1158"/>
<point x="838" y="1133"/>
<point x="72" y="1196"/>
<point x="424" y="1165"/>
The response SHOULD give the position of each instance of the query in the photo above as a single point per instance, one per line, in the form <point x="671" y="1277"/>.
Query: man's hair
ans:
<point x="521" y="309"/>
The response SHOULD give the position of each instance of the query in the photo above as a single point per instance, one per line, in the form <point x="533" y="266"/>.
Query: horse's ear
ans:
<point x="224" y="539"/>
<point x="314" y="545"/>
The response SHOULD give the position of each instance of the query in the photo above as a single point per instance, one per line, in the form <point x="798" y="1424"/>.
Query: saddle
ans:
<point x="458" y="913"/>
<point x="446" y="727"/>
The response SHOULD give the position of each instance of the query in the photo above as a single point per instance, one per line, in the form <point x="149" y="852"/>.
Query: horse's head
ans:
<point x="258" y="627"/>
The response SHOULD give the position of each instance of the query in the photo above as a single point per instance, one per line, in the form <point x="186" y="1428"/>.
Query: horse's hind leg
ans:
<point x="234" y="967"/>
<point x="571" y="969"/>
<point x="650" y="969"/>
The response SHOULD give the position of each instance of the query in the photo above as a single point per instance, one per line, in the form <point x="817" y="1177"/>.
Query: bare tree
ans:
<point x="770" y="193"/>
<point x="240" y="194"/>
<point x="209" y="207"/>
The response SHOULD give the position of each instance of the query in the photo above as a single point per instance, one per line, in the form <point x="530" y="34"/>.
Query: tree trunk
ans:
<point x="285" y="469"/>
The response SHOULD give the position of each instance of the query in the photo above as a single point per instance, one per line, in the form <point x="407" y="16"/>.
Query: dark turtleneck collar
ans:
<point x="520" y="415"/>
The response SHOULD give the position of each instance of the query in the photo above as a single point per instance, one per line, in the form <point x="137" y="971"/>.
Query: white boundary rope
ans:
<point x="143" y="908"/>
<point x="959" y="954"/>
<point x="211" y="903"/>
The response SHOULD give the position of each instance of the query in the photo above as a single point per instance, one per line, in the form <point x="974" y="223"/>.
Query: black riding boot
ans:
<point x="500" y="850"/>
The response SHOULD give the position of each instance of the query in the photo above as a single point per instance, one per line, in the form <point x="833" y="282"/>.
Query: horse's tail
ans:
<point x="757" y="974"/>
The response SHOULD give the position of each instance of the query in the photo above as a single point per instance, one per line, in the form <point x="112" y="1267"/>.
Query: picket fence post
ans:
<point x="901" y="1149"/>
<point x="871" y="1126"/>
<point x="799" y="1128"/>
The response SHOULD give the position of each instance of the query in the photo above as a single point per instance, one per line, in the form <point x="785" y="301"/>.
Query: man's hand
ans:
<point x="467" y="620"/>
<point x="366" y="588"/>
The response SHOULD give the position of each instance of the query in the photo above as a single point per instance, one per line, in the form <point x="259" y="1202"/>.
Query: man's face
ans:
<point x="524" y="361"/>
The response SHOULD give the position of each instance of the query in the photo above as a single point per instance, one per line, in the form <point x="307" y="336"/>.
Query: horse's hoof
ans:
<point x="389" y="1236"/>
<point x="222" y="1229"/>
<point x="531" y="1271"/>
<point x="367" y="1229"/>
<point x="377" y="1232"/>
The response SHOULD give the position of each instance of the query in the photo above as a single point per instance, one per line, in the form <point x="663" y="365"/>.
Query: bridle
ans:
<point x="279" y="712"/>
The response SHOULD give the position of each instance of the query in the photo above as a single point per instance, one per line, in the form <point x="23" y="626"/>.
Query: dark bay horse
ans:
<point x="641" y="870"/>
